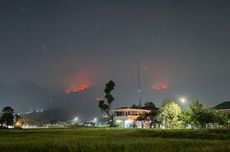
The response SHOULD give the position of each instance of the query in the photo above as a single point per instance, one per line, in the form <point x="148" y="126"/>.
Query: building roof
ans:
<point x="130" y="109"/>
<point x="224" y="105"/>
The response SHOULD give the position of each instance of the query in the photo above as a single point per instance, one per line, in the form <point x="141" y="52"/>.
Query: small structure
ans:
<point x="126" y="117"/>
<point x="223" y="107"/>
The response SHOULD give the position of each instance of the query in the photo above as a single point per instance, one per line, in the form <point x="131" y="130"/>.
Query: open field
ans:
<point x="102" y="140"/>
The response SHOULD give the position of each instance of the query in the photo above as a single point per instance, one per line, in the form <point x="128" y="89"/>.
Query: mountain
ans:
<point x="26" y="96"/>
<point x="23" y="96"/>
<point x="82" y="104"/>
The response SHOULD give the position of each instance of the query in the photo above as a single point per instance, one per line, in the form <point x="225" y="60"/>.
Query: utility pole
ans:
<point x="139" y="83"/>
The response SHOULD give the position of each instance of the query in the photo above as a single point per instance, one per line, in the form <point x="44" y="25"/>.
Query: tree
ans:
<point x="7" y="117"/>
<point x="142" y="118"/>
<point x="150" y="117"/>
<point x="150" y="106"/>
<point x="135" y="106"/>
<point x="105" y="104"/>
<point x="185" y="118"/>
<point x="206" y="116"/>
<point x="222" y="118"/>
<point x="169" y="113"/>
<point x="200" y="115"/>
<point x="153" y="118"/>
<point x="8" y="109"/>
<point x="1" y="122"/>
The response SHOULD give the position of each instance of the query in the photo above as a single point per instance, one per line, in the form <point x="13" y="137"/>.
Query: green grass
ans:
<point x="118" y="140"/>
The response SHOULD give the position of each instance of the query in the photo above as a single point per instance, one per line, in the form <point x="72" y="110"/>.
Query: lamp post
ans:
<point x="183" y="100"/>
<point x="75" y="120"/>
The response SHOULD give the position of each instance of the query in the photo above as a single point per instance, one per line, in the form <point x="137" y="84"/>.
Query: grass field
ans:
<point x="118" y="140"/>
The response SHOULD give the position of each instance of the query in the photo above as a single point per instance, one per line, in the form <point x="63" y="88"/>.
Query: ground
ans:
<point x="118" y="140"/>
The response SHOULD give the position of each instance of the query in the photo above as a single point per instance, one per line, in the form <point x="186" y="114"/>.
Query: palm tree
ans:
<point x="105" y="104"/>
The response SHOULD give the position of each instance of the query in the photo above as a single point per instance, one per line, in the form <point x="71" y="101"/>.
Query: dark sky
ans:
<point x="59" y="44"/>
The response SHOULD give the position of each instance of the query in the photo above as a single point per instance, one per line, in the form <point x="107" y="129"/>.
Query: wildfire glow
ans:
<point x="79" y="81"/>
<point x="77" y="88"/>
<point x="160" y="86"/>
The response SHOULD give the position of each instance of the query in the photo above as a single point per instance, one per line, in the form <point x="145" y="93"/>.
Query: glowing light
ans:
<point x="18" y="124"/>
<point x="77" y="88"/>
<point x="128" y="123"/>
<point x="79" y="81"/>
<point x="183" y="99"/>
<point x="160" y="86"/>
<point x="99" y="98"/>
<point x="75" y="119"/>
<point x="95" y="120"/>
<point x="118" y="121"/>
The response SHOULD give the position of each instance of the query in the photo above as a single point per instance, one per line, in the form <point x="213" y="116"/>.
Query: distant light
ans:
<point x="75" y="119"/>
<point x="95" y="120"/>
<point x="18" y="124"/>
<point x="77" y="88"/>
<point x="105" y="116"/>
<point x="118" y="121"/>
<point x="183" y="99"/>
<point x="99" y="98"/>
<point x="128" y="123"/>
<point x="160" y="86"/>
<point x="139" y="90"/>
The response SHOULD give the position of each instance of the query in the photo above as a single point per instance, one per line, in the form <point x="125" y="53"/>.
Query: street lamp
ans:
<point x="75" y="119"/>
<point x="183" y="100"/>
<point x="95" y="120"/>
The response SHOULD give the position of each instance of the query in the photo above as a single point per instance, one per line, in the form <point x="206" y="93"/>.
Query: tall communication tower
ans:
<point x="139" y="83"/>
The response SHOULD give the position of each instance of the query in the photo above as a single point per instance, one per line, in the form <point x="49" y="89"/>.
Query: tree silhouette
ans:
<point x="149" y="106"/>
<point x="7" y="117"/>
<point x="150" y="117"/>
<point x="105" y="104"/>
<point x="8" y="109"/>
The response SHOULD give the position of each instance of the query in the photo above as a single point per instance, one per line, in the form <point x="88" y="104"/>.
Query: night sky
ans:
<point x="48" y="47"/>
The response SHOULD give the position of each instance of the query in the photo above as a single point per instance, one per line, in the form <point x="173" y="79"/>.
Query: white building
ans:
<point x="126" y="117"/>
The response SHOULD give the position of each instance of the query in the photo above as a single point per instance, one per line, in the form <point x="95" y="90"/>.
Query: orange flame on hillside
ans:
<point x="79" y="81"/>
<point x="74" y="88"/>
<point x="160" y="86"/>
